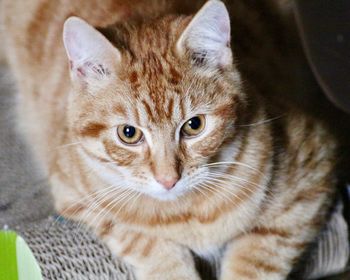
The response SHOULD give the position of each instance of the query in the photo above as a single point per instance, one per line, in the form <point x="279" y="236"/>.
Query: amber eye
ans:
<point x="193" y="126"/>
<point x="129" y="134"/>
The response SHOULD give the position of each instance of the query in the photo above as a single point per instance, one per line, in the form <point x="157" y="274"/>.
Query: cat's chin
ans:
<point x="166" y="195"/>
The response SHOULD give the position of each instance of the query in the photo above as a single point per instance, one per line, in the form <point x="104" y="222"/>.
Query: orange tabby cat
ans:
<point x="164" y="140"/>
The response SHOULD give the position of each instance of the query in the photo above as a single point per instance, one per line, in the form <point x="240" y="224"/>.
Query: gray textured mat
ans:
<point x="67" y="251"/>
<point x="24" y="193"/>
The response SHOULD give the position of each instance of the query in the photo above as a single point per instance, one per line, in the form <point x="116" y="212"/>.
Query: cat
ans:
<point x="167" y="140"/>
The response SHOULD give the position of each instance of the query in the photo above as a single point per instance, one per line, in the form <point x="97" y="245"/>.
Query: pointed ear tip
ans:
<point x="68" y="30"/>
<point x="216" y="7"/>
<point x="72" y="22"/>
<point x="216" y="3"/>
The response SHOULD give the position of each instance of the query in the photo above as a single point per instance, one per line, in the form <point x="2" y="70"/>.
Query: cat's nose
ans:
<point x="168" y="182"/>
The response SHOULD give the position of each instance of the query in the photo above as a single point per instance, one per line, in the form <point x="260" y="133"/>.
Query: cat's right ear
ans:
<point x="91" y="56"/>
<point x="206" y="39"/>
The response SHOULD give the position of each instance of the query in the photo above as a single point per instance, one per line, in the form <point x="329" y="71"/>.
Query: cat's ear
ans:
<point x="91" y="56"/>
<point x="207" y="37"/>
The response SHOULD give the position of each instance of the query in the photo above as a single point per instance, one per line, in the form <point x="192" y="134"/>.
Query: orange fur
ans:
<point x="261" y="210"/>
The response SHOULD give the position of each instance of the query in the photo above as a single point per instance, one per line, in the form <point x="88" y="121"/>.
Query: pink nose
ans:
<point x="167" y="182"/>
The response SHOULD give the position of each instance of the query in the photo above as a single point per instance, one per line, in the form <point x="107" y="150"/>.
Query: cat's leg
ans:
<point x="259" y="256"/>
<point x="290" y="219"/>
<point x="152" y="258"/>
<point x="269" y="251"/>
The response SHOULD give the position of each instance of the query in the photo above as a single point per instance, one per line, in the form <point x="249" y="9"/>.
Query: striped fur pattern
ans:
<point x="252" y="190"/>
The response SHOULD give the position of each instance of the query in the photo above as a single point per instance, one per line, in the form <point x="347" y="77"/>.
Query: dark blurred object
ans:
<point x="324" y="26"/>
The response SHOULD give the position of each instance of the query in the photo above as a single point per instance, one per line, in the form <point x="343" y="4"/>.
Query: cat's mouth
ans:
<point x="167" y="194"/>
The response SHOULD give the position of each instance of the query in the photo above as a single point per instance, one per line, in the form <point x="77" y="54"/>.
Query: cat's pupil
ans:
<point x="195" y="123"/>
<point x="129" y="131"/>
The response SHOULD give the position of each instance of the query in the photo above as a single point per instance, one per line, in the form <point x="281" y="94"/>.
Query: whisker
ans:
<point x="127" y="200"/>
<point x="115" y="202"/>
<point x="225" y="193"/>
<point x="105" y="209"/>
<point x="214" y="191"/>
<point x="94" y="170"/>
<point x="138" y="196"/>
<point x="219" y="163"/>
<point x="85" y="199"/>
<point x="67" y="145"/>
<point x="229" y="176"/>
<point x="99" y="201"/>
<point x="197" y="188"/>
<point x="226" y="197"/>
<point x="222" y="187"/>
<point x="91" y="208"/>
<point x="261" y="122"/>
<point x="226" y="186"/>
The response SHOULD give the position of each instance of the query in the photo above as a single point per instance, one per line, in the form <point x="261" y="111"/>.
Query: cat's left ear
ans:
<point x="92" y="57"/>
<point x="207" y="37"/>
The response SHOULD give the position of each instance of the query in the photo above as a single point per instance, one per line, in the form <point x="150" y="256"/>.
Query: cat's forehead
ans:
<point x="158" y="36"/>
<point x="156" y="79"/>
<point x="155" y="76"/>
<point x="157" y="94"/>
<point x="160" y="85"/>
<point x="151" y="51"/>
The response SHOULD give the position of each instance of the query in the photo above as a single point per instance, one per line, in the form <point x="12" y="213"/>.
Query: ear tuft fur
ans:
<point x="91" y="55"/>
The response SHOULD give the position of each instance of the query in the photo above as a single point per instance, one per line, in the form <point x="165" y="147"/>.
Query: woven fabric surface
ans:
<point x="66" y="250"/>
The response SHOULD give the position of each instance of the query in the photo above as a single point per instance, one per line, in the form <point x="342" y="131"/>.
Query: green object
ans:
<point x="16" y="260"/>
<point x="8" y="256"/>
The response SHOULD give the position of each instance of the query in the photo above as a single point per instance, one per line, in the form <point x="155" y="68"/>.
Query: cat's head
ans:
<point x="155" y="102"/>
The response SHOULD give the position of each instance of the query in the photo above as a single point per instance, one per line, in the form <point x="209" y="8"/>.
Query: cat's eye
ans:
<point x="129" y="134"/>
<point x="193" y="126"/>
